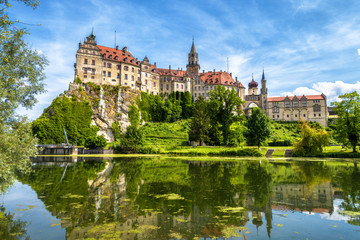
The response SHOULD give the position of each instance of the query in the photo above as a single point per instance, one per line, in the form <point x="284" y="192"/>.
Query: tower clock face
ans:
<point x="192" y="69"/>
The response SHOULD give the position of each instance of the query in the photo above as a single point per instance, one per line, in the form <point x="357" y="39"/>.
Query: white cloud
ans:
<point x="331" y="89"/>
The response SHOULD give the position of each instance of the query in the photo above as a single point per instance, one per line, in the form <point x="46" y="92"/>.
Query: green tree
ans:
<point x="200" y="122"/>
<point x="95" y="142"/>
<point x="73" y="114"/>
<point x="347" y="126"/>
<point x="21" y="79"/>
<point x="258" y="128"/>
<point x="225" y="108"/>
<point x="312" y="140"/>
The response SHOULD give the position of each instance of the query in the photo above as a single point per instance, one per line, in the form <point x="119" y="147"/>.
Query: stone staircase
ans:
<point x="269" y="153"/>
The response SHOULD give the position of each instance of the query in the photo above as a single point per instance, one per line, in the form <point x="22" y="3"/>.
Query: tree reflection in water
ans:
<point x="161" y="198"/>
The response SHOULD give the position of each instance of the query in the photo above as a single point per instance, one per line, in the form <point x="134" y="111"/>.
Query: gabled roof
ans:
<point x="216" y="78"/>
<point x="308" y="97"/>
<point x="122" y="56"/>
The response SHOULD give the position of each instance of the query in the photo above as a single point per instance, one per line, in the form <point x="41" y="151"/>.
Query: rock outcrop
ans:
<point x="110" y="104"/>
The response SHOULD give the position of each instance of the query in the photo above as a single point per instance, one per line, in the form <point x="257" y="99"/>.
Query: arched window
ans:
<point x="110" y="56"/>
<point x="275" y="109"/>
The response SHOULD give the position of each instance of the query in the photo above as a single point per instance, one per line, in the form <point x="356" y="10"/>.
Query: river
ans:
<point x="183" y="198"/>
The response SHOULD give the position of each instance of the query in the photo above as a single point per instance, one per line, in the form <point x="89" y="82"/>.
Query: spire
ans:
<point x="252" y="76"/>
<point x="263" y="75"/>
<point x="92" y="32"/>
<point x="193" y="46"/>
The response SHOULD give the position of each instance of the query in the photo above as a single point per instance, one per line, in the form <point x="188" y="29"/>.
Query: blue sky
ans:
<point x="305" y="46"/>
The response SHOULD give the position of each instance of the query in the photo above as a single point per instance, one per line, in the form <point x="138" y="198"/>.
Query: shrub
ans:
<point x="95" y="142"/>
<point x="285" y="142"/>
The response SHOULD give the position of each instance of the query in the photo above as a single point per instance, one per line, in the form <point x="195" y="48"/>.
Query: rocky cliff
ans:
<point x="110" y="104"/>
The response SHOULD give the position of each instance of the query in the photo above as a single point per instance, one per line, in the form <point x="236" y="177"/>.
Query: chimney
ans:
<point x="169" y="68"/>
<point x="236" y="79"/>
<point x="203" y="72"/>
<point x="221" y="71"/>
<point x="125" y="49"/>
<point x="214" y="70"/>
<point x="155" y="64"/>
<point x="117" y="47"/>
<point x="230" y="74"/>
<point x="181" y="69"/>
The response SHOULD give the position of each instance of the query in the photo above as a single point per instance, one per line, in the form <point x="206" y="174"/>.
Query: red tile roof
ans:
<point x="177" y="73"/>
<point x="216" y="78"/>
<point x="309" y="97"/>
<point x="120" y="54"/>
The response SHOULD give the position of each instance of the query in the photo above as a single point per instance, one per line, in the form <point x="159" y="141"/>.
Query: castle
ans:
<point x="113" y="66"/>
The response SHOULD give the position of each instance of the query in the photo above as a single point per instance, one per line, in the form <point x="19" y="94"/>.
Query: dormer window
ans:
<point x="110" y="57"/>
<point x="104" y="55"/>
<point x="116" y="57"/>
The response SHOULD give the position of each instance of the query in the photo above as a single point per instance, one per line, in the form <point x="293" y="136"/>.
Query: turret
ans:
<point x="253" y="87"/>
<point x="193" y="67"/>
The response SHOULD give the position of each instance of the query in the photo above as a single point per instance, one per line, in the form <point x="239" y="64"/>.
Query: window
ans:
<point x="287" y="115"/>
<point x="104" y="64"/>
<point x="287" y="104"/>
<point x="319" y="114"/>
<point x="93" y="71"/>
<point x="109" y="65"/>
<point x="295" y="104"/>
<point x="195" y="94"/>
<point x="104" y="73"/>
<point x="132" y="69"/>
<point x="139" y="71"/>
<point x="126" y="68"/>
<point x="317" y="108"/>
<point x="85" y="70"/>
<point x="85" y="61"/>
<point x="177" y="85"/>
<point x="277" y="116"/>
<point x="118" y="75"/>
<point x="154" y="77"/>
<point x="314" y="115"/>
<point x="126" y="76"/>
<point x="303" y="103"/>
<point x="138" y="78"/>
<point x="118" y="66"/>
<point x="85" y="76"/>
<point x="304" y="115"/>
<point x="145" y="81"/>
<point x="145" y="74"/>
<point x="195" y="88"/>
<point x="167" y="86"/>
<point x="154" y="84"/>
<point x="182" y="86"/>
<point x="295" y="115"/>
<point x="273" y="116"/>
<point x="275" y="109"/>
<point x="109" y="74"/>
<point x="110" y="57"/>
<point x="132" y="78"/>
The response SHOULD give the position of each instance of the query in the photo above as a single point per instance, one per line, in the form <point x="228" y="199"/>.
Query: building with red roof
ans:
<point x="114" y="66"/>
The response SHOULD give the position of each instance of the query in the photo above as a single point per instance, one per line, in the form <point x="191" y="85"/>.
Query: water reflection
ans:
<point x="161" y="198"/>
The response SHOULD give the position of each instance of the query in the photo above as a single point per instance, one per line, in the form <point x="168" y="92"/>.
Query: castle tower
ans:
<point x="264" y="91"/>
<point x="193" y="67"/>
<point x="253" y="87"/>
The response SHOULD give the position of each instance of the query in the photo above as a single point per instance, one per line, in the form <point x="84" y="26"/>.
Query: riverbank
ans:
<point x="334" y="152"/>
